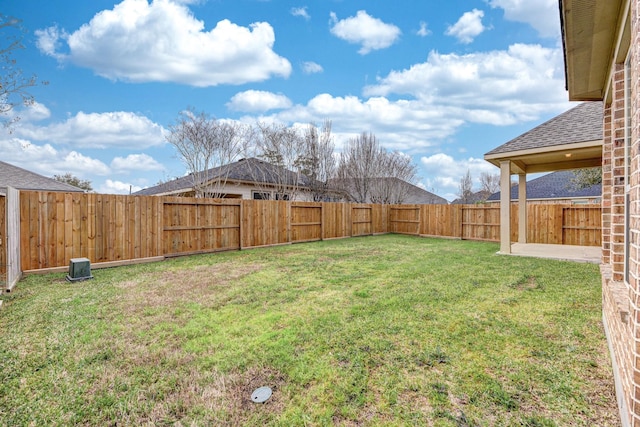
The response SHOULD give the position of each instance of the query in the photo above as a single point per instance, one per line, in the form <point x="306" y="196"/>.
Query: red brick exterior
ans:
<point x="620" y="291"/>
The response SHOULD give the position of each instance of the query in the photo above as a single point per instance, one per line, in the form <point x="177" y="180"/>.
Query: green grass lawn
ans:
<point x="385" y="330"/>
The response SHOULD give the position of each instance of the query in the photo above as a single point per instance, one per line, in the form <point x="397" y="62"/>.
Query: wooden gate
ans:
<point x="192" y="226"/>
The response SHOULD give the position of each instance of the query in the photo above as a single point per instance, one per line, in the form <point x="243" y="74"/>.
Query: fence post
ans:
<point x="12" y="215"/>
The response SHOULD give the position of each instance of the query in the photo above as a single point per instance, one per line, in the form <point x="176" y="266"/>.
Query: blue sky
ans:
<point x="444" y="82"/>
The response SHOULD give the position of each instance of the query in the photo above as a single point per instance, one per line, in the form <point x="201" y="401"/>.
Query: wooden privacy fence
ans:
<point x="55" y="227"/>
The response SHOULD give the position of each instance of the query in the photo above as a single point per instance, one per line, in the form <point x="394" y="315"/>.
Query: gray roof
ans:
<point x="413" y="195"/>
<point x="420" y="196"/>
<point x="580" y="124"/>
<point x="556" y="185"/>
<point x="247" y="170"/>
<point x="477" y="197"/>
<point x="22" y="179"/>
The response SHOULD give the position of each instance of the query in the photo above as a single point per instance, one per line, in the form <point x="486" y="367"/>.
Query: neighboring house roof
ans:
<point x="413" y="195"/>
<point x="420" y="196"/>
<point x="555" y="185"/>
<point x="477" y="197"/>
<point x="579" y="124"/>
<point x="244" y="170"/>
<point x="22" y="179"/>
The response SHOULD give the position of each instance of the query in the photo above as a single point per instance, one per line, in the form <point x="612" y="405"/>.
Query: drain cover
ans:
<point x="261" y="394"/>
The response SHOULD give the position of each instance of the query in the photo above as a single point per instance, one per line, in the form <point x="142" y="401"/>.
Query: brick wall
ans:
<point x="620" y="294"/>
<point x="607" y="182"/>
<point x="617" y="187"/>
<point x="634" y="198"/>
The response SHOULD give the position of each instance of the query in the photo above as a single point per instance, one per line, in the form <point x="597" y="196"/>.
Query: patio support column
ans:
<point x="505" y="206"/>
<point x="522" y="208"/>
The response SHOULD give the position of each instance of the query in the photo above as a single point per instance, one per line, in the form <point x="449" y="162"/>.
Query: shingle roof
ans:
<point x="420" y="196"/>
<point x="22" y="179"/>
<point x="412" y="194"/>
<point x="477" y="197"/>
<point x="580" y="124"/>
<point x="248" y="170"/>
<point x="556" y="185"/>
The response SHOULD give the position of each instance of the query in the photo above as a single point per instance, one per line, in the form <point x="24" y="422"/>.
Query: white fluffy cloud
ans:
<point x="423" y="31"/>
<point x="47" y="160"/>
<point x="135" y="162"/>
<point x="117" y="187"/>
<point x="301" y="12"/>
<point x="369" y="32"/>
<point x="162" y="41"/>
<point x="468" y="27"/>
<point x="446" y="172"/>
<point x="497" y="87"/>
<point x="419" y="108"/>
<point x="310" y="67"/>
<point x="98" y="130"/>
<point x="258" y="101"/>
<point x="543" y="15"/>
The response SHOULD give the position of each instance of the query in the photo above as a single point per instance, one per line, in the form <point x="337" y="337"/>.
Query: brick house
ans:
<point x="601" y="41"/>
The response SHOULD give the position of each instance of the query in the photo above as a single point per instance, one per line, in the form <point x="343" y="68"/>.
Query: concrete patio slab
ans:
<point x="590" y="254"/>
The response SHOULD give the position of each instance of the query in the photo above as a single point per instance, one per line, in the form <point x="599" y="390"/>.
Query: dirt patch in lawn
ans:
<point x="202" y="284"/>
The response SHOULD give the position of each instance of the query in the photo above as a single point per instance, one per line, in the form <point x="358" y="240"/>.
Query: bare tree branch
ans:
<point x="465" y="191"/>
<point x="489" y="183"/>
<point x="318" y="161"/>
<point x="368" y="173"/>
<point x="13" y="84"/>
<point x="207" y="146"/>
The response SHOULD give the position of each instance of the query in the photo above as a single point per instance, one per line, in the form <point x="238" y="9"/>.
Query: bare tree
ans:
<point x="357" y="167"/>
<point x="369" y="173"/>
<point x="318" y="161"/>
<point x="396" y="170"/>
<point x="465" y="191"/>
<point x="207" y="146"/>
<point x="282" y="149"/>
<point x="489" y="183"/>
<point x="13" y="83"/>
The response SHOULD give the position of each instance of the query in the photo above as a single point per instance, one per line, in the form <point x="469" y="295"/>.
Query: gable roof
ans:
<point x="419" y="196"/>
<point x="556" y="185"/>
<point x="413" y="195"/>
<point x="244" y="170"/>
<point x="580" y="124"/>
<point x="22" y="179"/>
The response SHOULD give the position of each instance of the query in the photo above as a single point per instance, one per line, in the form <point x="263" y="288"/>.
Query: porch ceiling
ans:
<point x="589" y="32"/>
<point x="548" y="159"/>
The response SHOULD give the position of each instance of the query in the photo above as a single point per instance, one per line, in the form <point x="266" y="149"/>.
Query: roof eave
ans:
<point x="591" y="35"/>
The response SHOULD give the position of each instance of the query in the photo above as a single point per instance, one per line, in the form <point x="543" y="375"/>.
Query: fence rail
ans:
<point x="55" y="227"/>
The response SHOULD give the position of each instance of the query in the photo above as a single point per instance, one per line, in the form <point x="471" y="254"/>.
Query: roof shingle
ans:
<point x="580" y="124"/>
<point x="22" y="179"/>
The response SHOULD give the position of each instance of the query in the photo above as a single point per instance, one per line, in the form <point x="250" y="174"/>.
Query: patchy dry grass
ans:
<point x="386" y="330"/>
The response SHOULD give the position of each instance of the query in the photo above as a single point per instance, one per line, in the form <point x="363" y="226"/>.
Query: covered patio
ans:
<point x="572" y="140"/>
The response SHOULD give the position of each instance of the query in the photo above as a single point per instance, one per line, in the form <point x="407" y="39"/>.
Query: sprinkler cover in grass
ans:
<point x="260" y="395"/>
